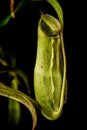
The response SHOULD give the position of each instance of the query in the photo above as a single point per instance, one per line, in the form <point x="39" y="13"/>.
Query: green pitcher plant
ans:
<point x="50" y="82"/>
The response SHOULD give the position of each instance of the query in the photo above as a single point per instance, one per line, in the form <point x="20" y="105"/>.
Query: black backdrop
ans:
<point x="19" y="37"/>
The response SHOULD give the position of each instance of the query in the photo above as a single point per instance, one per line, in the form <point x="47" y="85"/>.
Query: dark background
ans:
<point x="19" y="37"/>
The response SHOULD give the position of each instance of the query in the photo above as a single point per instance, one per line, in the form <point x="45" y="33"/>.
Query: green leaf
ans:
<point x="5" y="21"/>
<point x="22" y="98"/>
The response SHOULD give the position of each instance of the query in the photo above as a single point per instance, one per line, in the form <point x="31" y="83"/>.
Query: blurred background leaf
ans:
<point x="22" y="4"/>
